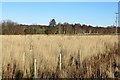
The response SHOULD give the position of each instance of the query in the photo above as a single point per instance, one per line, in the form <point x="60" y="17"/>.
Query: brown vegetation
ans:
<point x="82" y="56"/>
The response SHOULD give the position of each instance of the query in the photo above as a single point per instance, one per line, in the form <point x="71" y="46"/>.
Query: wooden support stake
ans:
<point x="90" y="71"/>
<point x="80" y="56"/>
<point x="35" y="69"/>
<point x="110" y="70"/>
<point x="23" y="61"/>
<point x="60" y="62"/>
<point x="79" y="59"/>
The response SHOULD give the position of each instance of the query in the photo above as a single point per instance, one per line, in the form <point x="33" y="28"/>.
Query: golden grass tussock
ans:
<point x="23" y="49"/>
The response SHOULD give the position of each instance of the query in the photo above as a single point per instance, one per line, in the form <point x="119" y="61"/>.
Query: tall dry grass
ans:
<point x="19" y="51"/>
<point x="0" y="57"/>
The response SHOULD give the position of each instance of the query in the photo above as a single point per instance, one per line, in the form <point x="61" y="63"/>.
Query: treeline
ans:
<point x="12" y="28"/>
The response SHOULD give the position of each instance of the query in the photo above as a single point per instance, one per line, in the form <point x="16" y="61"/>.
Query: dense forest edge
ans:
<point x="9" y="27"/>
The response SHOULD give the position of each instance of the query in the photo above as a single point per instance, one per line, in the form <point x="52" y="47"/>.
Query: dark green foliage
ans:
<point x="12" y="28"/>
<point x="46" y="31"/>
<point x="40" y="31"/>
<point x="52" y="23"/>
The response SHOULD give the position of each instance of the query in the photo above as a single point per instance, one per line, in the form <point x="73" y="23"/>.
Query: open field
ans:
<point x="19" y="51"/>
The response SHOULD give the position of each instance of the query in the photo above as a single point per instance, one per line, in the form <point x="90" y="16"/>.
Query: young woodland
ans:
<point x="11" y="28"/>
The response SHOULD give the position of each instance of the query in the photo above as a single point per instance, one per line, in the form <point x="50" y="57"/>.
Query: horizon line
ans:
<point x="56" y="23"/>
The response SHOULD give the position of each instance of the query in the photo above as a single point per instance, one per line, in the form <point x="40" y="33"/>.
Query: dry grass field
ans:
<point x="19" y="51"/>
